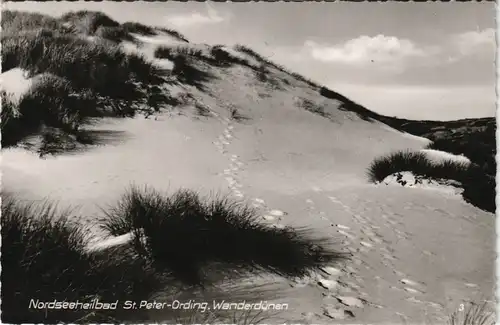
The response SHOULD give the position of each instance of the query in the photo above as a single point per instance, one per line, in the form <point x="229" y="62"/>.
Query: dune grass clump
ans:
<point x="473" y="314"/>
<point x="173" y="33"/>
<point x="223" y="58"/>
<point x="9" y="123"/>
<point x="417" y="163"/>
<point x="138" y="28"/>
<point x="479" y="147"/>
<point x="44" y="258"/>
<point x="108" y="73"/>
<point x="112" y="75"/>
<point x="184" y="68"/>
<point x="88" y="22"/>
<point x="50" y="101"/>
<point x="312" y="107"/>
<point x="14" y="21"/>
<point x="115" y="34"/>
<point x="479" y="188"/>
<point x="184" y="233"/>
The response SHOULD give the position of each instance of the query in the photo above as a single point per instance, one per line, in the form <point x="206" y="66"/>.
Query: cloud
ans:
<point x="365" y="50"/>
<point x="473" y="43"/>
<point x="197" y="18"/>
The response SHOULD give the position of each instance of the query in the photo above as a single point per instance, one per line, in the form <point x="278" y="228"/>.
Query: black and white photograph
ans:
<point x="248" y="163"/>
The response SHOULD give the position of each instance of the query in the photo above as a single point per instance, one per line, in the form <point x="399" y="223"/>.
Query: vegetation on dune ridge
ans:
<point x="262" y="59"/>
<point x="184" y="233"/>
<point x="479" y="188"/>
<point x="113" y="83"/>
<point x="44" y="258"/>
<point x="185" y="69"/>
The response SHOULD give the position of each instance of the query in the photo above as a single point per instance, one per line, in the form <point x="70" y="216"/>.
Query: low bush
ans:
<point x="479" y="188"/>
<point x="184" y="233"/>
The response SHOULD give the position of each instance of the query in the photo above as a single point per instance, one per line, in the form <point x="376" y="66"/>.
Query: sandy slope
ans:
<point x="416" y="253"/>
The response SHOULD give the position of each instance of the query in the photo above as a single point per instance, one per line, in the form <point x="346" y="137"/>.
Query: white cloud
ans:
<point x="365" y="50"/>
<point x="474" y="42"/>
<point x="197" y="18"/>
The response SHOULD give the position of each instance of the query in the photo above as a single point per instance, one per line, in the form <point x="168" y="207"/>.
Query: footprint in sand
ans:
<point x="268" y="217"/>
<point x="328" y="284"/>
<point x="412" y="290"/>
<point x="399" y="273"/>
<point x="350" y="301"/>
<point x="471" y="285"/>
<point x="389" y="257"/>
<point x="348" y="235"/>
<point x="337" y="313"/>
<point x="387" y="250"/>
<point x="238" y="195"/>
<point x="277" y="213"/>
<point x="334" y="199"/>
<point x="259" y="201"/>
<point x="366" y="244"/>
<point x="411" y="282"/>
<point x="342" y="227"/>
<point x="330" y="270"/>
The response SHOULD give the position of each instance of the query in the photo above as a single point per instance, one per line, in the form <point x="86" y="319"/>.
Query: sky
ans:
<point x="415" y="60"/>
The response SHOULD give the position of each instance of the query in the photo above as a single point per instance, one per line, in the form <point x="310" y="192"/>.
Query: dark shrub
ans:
<point x="184" y="233"/>
<point x="479" y="188"/>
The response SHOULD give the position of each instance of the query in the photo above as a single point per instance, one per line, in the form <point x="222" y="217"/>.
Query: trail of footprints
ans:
<point x="342" y="296"/>
<point x="343" y="304"/>
<point x="231" y="175"/>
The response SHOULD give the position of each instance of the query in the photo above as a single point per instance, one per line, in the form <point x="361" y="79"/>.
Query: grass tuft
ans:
<point x="479" y="188"/>
<point x="44" y="258"/>
<point x="184" y="69"/>
<point x="473" y="314"/>
<point x="417" y="163"/>
<point x="184" y="233"/>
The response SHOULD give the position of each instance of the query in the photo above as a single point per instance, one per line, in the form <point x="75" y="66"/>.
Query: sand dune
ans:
<point x="416" y="254"/>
